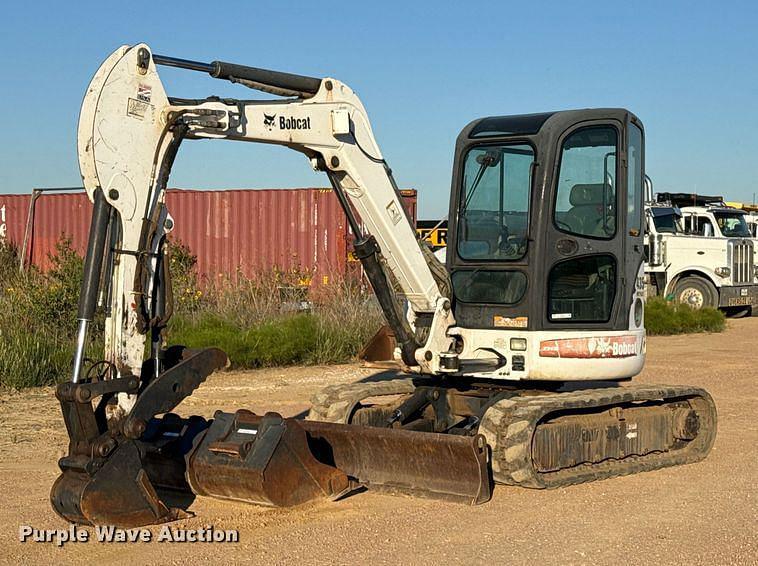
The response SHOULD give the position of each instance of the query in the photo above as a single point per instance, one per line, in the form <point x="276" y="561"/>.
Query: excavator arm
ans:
<point x="129" y="133"/>
<point x="126" y="447"/>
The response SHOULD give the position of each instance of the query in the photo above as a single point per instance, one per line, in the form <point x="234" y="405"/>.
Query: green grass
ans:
<point x="30" y="359"/>
<point x="281" y="341"/>
<point x="665" y="318"/>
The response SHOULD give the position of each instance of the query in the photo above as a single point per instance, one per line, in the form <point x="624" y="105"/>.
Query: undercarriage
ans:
<point x="538" y="437"/>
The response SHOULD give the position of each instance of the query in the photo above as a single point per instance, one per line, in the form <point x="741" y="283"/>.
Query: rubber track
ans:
<point x="509" y="426"/>
<point x="336" y="403"/>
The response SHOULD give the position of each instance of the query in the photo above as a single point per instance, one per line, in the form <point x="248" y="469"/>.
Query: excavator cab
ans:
<point x="546" y="236"/>
<point x="513" y="351"/>
<point x="546" y="221"/>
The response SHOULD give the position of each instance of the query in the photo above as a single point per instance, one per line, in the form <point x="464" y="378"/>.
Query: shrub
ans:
<point x="283" y="341"/>
<point x="258" y="321"/>
<point x="664" y="317"/>
<point x="184" y="280"/>
<point x="50" y="300"/>
<point x="39" y="318"/>
<point x="255" y="320"/>
<point x="327" y="334"/>
<point x="29" y="358"/>
<point x="8" y="263"/>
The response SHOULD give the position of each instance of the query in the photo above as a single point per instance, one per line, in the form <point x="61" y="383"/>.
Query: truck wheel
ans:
<point x="696" y="293"/>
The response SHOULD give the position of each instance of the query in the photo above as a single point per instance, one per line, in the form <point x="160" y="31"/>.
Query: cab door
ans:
<point x="594" y="243"/>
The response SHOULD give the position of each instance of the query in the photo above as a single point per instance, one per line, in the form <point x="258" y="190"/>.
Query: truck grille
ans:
<point x="741" y="252"/>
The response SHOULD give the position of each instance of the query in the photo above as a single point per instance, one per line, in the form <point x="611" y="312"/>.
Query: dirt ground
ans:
<point x="701" y="513"/>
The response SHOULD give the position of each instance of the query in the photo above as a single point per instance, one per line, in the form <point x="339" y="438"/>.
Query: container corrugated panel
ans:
<point x="230" y="231"/>
<point x="249" y="231"/>
<point x="58" y="216"/>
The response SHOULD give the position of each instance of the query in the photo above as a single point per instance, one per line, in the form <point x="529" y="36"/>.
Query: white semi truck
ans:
<point x="702" y="254"/>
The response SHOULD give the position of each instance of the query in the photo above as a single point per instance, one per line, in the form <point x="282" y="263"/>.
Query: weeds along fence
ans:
<point x="38" y="318"/>
<point x="272" y="318"/>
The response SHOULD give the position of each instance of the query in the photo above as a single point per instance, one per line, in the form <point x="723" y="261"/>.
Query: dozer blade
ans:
<point x="282" y="462"/>
<point x="439" y="466"/>
<point x="378" y="352"/>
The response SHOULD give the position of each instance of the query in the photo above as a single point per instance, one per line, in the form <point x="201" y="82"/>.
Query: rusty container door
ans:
<point x="55" y="216"/>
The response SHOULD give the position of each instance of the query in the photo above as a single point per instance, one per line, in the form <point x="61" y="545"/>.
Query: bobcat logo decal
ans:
<point x="269" y="121"/>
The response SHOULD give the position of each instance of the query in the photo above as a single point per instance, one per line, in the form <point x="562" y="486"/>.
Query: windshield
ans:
<point x="494" y="208"/>
<point x="732" y="225"/>
<point x="669" y="223"/>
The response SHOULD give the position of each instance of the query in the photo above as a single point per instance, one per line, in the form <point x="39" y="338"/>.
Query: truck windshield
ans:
<point x="668" y="223"/>
<point x="732" y="224"/>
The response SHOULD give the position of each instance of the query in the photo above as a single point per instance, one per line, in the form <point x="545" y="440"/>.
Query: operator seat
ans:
<point x="586" y="212"/>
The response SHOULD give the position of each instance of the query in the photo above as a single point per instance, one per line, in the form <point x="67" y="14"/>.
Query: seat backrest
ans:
<point x="586" y="206"/>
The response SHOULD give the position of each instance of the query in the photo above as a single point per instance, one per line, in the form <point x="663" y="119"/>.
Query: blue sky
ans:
<point x="422" y="69"/>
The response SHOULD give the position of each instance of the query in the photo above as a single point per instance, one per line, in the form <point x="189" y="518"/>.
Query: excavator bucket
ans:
<point x="119" y="492"/>
<point x="378" y="352"/>
<point x="114" y="472"/>
<point x="263" y="460"/>
<point x="283" y="462"/>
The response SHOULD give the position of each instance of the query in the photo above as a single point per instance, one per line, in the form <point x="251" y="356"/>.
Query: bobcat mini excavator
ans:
<point x="515" y="352"/>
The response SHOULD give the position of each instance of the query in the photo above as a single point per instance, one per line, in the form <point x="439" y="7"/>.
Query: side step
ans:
<point x="560" y="439"/>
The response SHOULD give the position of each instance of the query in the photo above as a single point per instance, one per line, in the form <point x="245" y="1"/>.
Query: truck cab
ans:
<point x="715" y="221"/>
<point x="701" y="255"/>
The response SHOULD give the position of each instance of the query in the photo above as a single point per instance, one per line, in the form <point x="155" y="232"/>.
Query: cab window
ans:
<point x="699" y="226"/>
<point x="634" y="181"/>
<point x="667" y="223"/>
<point x="494" y="209"/>
<point x="733" y="224"/>
<point x="582" y="289"/>
<point x="586" y="196"/>
<point x="489" y="287"/>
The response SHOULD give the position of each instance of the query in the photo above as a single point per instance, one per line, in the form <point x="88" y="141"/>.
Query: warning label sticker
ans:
<point x="394" y="212"/>
<point x="137" y="108"/>
<point x="144" y="92"/>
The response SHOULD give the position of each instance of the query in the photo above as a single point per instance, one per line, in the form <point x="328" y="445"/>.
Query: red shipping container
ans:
<point x="229" y="231"/>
